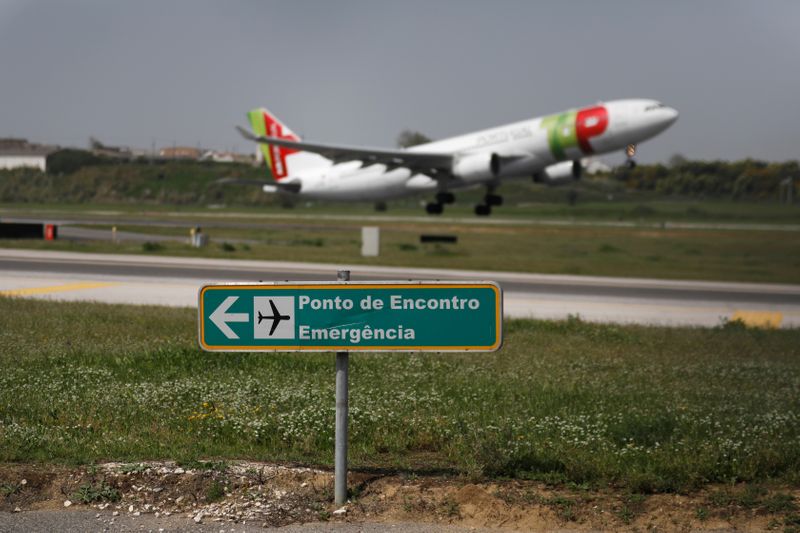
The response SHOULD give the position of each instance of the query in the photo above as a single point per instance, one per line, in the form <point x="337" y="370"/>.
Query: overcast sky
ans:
<point x="358" y="72"/>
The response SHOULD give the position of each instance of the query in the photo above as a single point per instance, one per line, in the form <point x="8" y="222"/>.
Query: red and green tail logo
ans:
<point x="263" y="123"/>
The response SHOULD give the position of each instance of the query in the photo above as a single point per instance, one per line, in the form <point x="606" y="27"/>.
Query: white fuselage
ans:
<point x="525" y="148"/>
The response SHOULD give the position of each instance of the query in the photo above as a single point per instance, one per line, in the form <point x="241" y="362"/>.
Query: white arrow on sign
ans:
<point x="220" y="318"/>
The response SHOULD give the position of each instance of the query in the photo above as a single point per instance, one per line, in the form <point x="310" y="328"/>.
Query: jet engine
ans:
<point x="560" y="173"/>
<point x="477" y="168"/>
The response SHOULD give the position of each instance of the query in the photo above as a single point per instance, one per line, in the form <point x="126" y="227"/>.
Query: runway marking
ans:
<point x="759" y="319"/>
<point x="57" y="288"/>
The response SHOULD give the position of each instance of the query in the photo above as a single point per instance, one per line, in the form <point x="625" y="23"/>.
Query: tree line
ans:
<point x="744" y="179"/>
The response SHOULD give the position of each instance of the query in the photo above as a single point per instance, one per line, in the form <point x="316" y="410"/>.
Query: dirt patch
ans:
<point x="271" y="495"/>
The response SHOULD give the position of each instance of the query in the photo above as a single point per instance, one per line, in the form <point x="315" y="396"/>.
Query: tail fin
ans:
<point x="282" y="161"/>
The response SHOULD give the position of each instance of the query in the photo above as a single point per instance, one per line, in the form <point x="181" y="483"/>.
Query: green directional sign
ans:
<point x="339" y="316"/>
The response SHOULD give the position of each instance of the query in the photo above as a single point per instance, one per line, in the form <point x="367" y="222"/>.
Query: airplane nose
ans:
<point x="671" y="115"/>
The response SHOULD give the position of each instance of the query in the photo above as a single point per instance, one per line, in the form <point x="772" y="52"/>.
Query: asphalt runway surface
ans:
<point x="175" y="281"/>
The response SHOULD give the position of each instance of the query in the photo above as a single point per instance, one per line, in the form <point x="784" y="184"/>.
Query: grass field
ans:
<point x="710" y="254"/>
<point x="644" y="409"/>
<point x="522" y="204"/>
<point x="582" y="240"/>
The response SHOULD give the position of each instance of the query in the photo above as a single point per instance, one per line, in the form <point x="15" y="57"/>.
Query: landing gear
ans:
<point x="491" y="199"/>
<point x="630" y="151"/>
<point x="434" y="208"/>
<point x="483" y="210"/>
<point x="442" y="198"/>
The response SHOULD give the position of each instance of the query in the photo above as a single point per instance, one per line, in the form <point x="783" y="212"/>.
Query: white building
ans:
<point x="16" y="153"/>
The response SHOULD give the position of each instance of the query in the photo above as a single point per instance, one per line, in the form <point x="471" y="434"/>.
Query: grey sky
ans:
<point x="358" y="72"/>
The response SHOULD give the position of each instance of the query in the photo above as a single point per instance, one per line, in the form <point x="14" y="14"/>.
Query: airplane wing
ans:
<point x="425" y="162"/>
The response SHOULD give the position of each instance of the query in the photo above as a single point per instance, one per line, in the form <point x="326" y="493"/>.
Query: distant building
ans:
<point x="226" y="157"/>
<point x="17" y="153"/>
<point x="180" y="152"/>
<point x="106" y="150"/>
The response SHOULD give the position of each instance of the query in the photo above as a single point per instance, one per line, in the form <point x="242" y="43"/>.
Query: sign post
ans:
<point x="343" y="316"/>
<point x="342" y="407"/>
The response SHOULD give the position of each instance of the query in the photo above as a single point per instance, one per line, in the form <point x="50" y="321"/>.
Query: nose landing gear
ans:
<point x="630" y="151"/>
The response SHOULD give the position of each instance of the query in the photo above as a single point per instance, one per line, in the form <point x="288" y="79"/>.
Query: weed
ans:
<point x="213" y="466"/>
<point x="451" y="508"/>
<point x="749" y="497"/>
<point x="227" y="247"/>
<point x="701" y="514"/>
<point x="407" y="505"/>
<point x="563" y="507"/>
<point x="779" y="503"/>
<point x="133" y="468"/>
<point x="407" y="247"/>
<point x="7" y="489"/>
<point x="626" y="514"/>
<point x="90" y="492"/>
<point x="150" y="246"/>
<point x="632" y="506"/>
<point x="215" y="491"/>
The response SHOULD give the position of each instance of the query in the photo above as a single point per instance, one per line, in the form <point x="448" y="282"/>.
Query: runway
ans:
<point x="175" y="281"/>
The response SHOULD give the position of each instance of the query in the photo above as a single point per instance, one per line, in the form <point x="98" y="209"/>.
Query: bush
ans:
<point x="69" y="160"/>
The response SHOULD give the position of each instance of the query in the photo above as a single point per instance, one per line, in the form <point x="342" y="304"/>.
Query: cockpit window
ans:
<point x="657" y="105"/>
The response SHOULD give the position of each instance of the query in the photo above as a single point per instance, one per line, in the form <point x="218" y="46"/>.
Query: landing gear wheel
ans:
<point x="483" y="210"/>
<point x="630" y="151"/>
<point x="434" y="209"/>
<point x="445" y="197"/>
<point x="493" y="199"/>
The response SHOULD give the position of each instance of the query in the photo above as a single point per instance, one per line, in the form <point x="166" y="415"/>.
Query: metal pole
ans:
<point x="340" y="451"/>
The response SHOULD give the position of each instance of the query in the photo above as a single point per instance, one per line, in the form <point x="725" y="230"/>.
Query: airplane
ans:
<point x="548" y="149"/>
<point x="276" y="317"/>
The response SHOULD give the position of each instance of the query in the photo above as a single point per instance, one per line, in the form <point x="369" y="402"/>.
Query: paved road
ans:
<point x="89" y="521"/>
<point x="175" y="281"/>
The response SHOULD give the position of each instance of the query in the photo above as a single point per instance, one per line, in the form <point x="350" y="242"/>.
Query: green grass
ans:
<point x="711" y="254"/>
<point x="524" y="202"/>
<point x="645" y="409"/>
